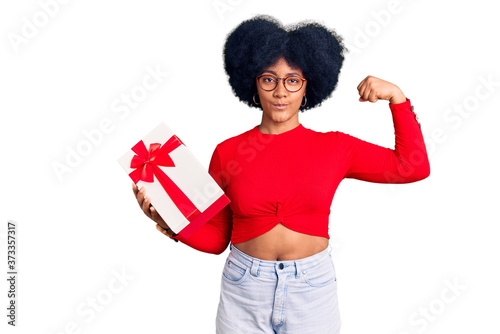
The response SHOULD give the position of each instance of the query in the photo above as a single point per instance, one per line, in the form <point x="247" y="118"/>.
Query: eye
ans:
<point x="293" y="81"/>
<point x="268" y="79"/>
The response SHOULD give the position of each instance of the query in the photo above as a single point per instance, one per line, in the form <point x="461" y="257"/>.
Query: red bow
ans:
<point x="146" y="167"/>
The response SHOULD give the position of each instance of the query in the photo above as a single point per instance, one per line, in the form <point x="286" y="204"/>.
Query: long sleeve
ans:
<point x="214" y="236"/>
<point x="407" y="162"/>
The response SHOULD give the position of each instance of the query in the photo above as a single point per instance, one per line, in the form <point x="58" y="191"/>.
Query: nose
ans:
<point x="280" y="89"/>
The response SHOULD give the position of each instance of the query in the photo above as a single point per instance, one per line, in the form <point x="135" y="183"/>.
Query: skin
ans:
<point x="281" y="243"/>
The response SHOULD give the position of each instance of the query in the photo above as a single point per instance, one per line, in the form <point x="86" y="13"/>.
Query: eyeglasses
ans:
<point x="269" y="82"/>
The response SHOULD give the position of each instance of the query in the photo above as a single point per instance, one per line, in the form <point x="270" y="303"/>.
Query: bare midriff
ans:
<point x="283" y="244"/>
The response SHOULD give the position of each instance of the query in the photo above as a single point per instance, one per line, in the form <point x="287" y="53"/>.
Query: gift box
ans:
<point x="182" y="191"/>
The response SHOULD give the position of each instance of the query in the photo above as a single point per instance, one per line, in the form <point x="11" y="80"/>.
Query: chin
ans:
<point x="281" y="118"/>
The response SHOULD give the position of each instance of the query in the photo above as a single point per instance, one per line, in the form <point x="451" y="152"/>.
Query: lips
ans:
<point x="280" y="106"/>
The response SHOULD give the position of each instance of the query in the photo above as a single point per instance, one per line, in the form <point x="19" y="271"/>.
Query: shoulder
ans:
<point x="328" y="136"/>
<point x="328" y="140"/>
<point x="231" y="144"/>
<point x="337" y="136"/>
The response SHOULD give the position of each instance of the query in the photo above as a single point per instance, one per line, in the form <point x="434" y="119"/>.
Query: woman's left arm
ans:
<point x="408" y="161"/>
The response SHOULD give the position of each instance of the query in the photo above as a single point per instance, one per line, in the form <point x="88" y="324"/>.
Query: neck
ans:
<point x="272" y="127"/>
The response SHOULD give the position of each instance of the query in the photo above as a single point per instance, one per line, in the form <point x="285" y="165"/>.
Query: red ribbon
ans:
<point x="146" y="165"/>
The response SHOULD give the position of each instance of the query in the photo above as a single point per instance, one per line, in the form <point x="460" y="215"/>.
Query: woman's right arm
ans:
<point x="214" y="236"/>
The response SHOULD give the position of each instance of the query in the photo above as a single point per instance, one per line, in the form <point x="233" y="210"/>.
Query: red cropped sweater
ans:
<point x="290" y="178"/>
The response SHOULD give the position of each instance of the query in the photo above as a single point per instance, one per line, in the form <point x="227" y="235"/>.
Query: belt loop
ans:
<point x="255" y="267"/>
<point x="298" y="269"/>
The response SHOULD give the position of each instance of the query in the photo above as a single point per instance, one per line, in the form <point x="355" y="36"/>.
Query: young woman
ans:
<point x="281" y="178"/>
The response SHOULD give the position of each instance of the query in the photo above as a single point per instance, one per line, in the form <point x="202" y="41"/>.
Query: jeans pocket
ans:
<point x="234" y="272"/>
<point x="320" y="275"/>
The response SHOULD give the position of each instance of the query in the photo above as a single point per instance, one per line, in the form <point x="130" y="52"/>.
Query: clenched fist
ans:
<point x="373" y="89"/>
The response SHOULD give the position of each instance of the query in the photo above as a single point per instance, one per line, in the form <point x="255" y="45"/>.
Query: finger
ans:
<point x="161" y="229"/>
<point x="373" y="97"/>
<point x="135" y="189"/>
<point x="145" y="206"/>
<point x="364" y="92"/>
<point x="140" y="195"/>
<point x="362" y="83"/>
<point x="141" y="199"/>
<point x="159" y="220"/>
<point x="167" y="232"/>
<point x="361" y="86"/>
<point x="370" y="95"/>
<point x="360" y="91"/>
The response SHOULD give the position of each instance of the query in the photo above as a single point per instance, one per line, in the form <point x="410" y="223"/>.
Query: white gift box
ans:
<point x="183" y="193"/>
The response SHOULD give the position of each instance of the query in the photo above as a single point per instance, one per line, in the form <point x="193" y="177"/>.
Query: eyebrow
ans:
<point x="291" y="73"/>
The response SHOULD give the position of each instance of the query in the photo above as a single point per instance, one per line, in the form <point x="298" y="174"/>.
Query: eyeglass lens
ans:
<point x="269" y="82"/>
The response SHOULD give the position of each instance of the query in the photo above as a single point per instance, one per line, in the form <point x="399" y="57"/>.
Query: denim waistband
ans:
<point x="298" y="266"/>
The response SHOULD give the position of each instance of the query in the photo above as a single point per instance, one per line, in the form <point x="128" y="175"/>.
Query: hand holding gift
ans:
<point x="150" y="211"/>
<point x="172" y="179"/>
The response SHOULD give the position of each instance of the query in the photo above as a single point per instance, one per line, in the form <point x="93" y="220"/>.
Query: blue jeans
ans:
<point x="282" y="297"/>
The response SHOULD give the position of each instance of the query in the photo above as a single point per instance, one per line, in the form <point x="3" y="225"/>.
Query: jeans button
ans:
<point x="282" y="266"/>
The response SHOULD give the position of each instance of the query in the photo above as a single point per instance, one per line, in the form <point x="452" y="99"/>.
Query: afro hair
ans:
<point x="261" y="41"/>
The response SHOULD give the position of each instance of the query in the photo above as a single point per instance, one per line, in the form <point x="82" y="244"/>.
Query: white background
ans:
<point x="397" y="248"/>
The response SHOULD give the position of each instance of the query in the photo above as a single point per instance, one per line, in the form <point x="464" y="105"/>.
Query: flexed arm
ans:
<point x="408" y="161"/>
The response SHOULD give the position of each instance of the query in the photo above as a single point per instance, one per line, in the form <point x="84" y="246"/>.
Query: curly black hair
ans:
<point x="261" y="41"/>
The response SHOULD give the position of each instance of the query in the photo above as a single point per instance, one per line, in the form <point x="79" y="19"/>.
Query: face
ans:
<point x="280" y="105"/>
